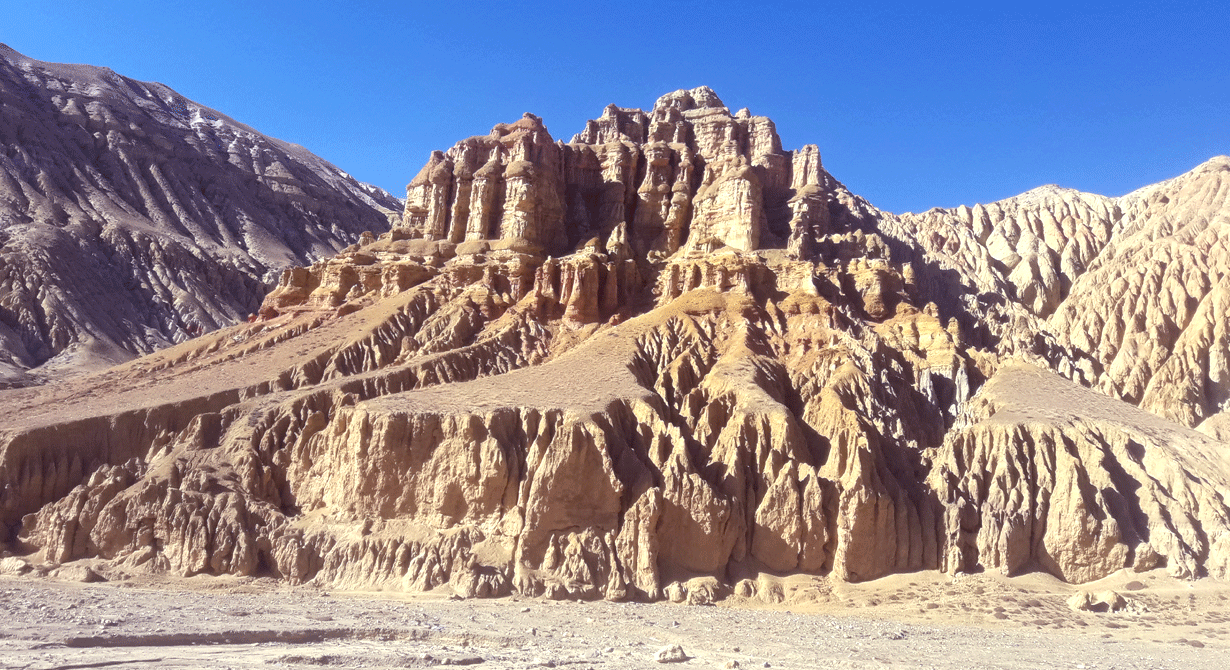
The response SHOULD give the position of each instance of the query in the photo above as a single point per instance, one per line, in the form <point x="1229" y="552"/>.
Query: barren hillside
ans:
<point x="132" y="218"/>
<point x="661" y="361"/>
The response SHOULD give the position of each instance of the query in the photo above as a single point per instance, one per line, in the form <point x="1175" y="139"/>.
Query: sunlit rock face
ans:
<point x="686" y="170"/>
<point x="657" y="362"/>
<point x="132" y="218"/>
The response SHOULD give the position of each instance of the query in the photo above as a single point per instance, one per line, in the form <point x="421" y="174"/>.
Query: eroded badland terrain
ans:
<point x="667" y="360"/>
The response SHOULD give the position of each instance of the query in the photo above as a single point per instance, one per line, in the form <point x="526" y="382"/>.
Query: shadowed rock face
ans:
<point x="132" y="218"/>
<point x="655" y="362"/>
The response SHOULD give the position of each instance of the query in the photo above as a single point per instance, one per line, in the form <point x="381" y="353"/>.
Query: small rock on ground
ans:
<point x="671" y="653"/>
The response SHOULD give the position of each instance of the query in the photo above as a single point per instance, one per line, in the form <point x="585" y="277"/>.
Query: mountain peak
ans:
<point x="701" y="97"/>
<point x="1047" y="191"/>
<point x="168" y="179"/>
<point x="1217" y="162"/>
<point x="709" y="177"/>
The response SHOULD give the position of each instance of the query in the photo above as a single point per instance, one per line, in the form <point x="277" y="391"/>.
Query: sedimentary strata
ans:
<point x="658" y="361"/>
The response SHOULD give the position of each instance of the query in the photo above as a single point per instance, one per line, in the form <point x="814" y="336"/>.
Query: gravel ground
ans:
<point x="219" y="623"/>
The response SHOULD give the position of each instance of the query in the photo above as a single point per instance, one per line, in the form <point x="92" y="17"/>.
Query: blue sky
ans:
<point x="913" y="104"/>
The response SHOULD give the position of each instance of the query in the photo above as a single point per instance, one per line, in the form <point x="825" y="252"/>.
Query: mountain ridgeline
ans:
<point x="670" y="360"/>
<point x="132" y="218"/>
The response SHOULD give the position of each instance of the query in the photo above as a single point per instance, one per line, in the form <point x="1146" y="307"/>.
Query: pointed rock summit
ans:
<point x="685" y="173"/>
<point x="684" y="100"/>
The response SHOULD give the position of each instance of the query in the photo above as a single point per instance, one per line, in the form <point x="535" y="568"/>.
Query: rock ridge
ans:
<point x="132" y="218"/>
<point x="668" y="360"/>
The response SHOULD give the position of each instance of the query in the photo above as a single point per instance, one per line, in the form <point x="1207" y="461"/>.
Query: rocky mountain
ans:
<point x="664" y="360"/>
<point x="132" y="218"/>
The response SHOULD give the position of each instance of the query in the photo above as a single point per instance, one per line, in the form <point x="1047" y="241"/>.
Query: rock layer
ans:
<point x="655" y="362"/>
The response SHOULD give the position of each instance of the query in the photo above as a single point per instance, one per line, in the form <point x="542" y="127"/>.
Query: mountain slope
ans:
<point x="1153" y="307"/>
<point x="657" y="361"/>
<point x="132" y="217"/>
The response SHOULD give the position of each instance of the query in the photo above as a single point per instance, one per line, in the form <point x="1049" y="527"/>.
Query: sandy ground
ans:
<point x="922" y="620"/>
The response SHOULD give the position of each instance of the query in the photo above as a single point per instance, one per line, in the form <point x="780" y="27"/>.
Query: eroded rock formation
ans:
<point x="1045" y="474"/>
<point x="132" y="218"/>
<point x="686" y="169"/>
<point x="657" y="361"/>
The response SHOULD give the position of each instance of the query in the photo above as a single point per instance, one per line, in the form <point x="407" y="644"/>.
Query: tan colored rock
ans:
<point x="1130" y="287"/>
<point x="687" y="173"/>
<point x="729" y="208"/>
<point x="1102" y="601"/>
<point x="1217" y="426"/>
<point x="667" y="360"/>
<point x="1044" y="472"/>
<point x="520" y="482"/>
<point x="427" y="198"/>
<point x="671" y="653"/>
<point x="76" y="573"/>
<point x="1027" y="250"/>
<point x="1152" y="309"/>
<point x="14" y="566"/>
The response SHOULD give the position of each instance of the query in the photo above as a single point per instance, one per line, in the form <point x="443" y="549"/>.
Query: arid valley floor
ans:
<point x="921" y="620"/>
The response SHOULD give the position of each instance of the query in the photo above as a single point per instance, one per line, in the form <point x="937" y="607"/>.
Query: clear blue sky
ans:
<point x="913" y="104"/>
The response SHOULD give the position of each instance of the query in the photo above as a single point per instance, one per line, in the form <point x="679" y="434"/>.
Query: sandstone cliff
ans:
<point x="658" y="361"/>
<point x="1132" y="289"/>
<point x="132" y="218"/>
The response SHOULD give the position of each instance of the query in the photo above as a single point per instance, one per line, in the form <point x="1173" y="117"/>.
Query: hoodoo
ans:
<point x="662" y="360"/>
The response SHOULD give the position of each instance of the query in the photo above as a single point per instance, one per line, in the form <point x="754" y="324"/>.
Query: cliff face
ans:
<point x="686" y="171"/>
<point x="655" y="362"/>
<point x="1042" y="473"/>
<point x="132" y="218"/>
